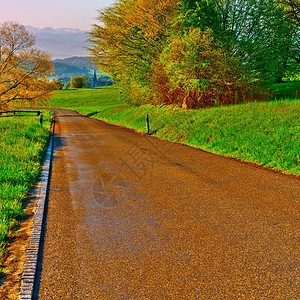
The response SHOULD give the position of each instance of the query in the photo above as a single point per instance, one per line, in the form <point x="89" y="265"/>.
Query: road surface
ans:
<point x="134" y="217"/>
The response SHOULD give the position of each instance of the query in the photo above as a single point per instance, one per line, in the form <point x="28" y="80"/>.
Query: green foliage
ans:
<point x="57" y="85"/>
<point x="196" y="63"/>
<point x="78" y="81"/>
<point x="292" y="10"/>
<point x="286" y="90"/>
<point x="148" y="48"/>
<point x="257" y="32"/>
<point x="130" y="42"/>
<point x="22" y="146"/>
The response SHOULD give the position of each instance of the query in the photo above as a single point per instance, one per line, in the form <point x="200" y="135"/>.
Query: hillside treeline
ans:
<point x="196" y="53"/>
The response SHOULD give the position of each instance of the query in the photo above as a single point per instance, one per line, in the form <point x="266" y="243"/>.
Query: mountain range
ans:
<point x="62" y="42"/>
<point x="67" y="48"/>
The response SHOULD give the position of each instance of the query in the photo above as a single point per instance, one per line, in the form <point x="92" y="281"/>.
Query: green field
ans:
<point x="22" y="146"/>
<point x="86" y="100"/>
<point x="265" y="133"/>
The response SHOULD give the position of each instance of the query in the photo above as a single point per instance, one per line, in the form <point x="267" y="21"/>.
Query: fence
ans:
<point x="14" y="112"/>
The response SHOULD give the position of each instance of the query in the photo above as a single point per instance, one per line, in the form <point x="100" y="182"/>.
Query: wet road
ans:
<point x="133" y="217"/>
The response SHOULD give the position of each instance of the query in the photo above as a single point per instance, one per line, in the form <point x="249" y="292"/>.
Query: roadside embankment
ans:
<point x="23" y="143"/>
<point x="263" y="133"/>
<point x="267" y="133"/>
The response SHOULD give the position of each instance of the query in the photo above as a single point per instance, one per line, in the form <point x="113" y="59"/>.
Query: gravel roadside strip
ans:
<point x="30" y="268"/>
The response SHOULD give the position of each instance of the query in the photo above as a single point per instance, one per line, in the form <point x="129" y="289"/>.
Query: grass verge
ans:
<point x="22" y="146"/>
<point x="263" y="133"/>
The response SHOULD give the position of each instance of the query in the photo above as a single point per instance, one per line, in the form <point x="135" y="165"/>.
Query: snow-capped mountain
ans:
<point x="62" y="42"/>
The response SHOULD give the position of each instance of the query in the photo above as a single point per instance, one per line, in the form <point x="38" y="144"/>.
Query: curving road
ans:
<point x="134" y="217"/>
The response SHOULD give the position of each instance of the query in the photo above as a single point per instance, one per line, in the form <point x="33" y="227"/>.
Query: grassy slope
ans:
<point x="264" y="133"/>
<point x="22" y="146"/>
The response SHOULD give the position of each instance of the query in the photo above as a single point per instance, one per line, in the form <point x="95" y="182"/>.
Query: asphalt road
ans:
<point x="134" y="217"/>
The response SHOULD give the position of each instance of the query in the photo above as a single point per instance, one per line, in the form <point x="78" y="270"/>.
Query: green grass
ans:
<point x="263" y="133"/>
<point x="22" y="146"/>
<point x="86" y="100"/>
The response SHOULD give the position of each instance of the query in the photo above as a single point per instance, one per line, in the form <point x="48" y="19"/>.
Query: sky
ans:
<point x="76" y="14"/>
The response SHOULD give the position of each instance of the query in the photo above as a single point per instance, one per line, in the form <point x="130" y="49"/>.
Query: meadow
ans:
<point x="265" y="133"/>
<point x="23" y="143"/>
<point x="86" y="100"/>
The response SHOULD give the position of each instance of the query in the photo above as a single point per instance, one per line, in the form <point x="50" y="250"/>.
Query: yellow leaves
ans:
<point x="199" y="66"/>
<point x="14" y="37"/>
<point x="23" y="69"/>
<point x="129" y="39"/>
<point x="131" y="25"/>
<point x="153" y="16"/>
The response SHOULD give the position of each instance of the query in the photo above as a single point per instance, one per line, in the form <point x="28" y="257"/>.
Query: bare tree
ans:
<point x="23" y="68"/>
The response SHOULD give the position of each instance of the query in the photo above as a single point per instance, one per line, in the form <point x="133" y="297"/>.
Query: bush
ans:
<point x="78" y="81"/>
<point x="57" y="85"/>
<point x="204" y="75"/>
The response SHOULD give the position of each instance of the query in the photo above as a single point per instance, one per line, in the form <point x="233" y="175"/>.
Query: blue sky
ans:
<point x="77" y="14"/>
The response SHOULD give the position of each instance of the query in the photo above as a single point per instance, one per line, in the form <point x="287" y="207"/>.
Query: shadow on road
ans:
<point x="92" y="114"/>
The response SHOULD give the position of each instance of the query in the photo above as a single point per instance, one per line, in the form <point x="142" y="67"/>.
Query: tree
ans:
<point x="57" y="85"/>
<point x="148" y="48"/>
<point x="78" y="81"/>
<point x="23" y="68"/>
<point x="257" y="32"/>
<point x="292" y="8"/>
<point x="197" y="65"/>
<point x="128" y="41"/>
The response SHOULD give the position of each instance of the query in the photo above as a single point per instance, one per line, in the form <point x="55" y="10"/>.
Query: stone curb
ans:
<point x="30" y="268"/>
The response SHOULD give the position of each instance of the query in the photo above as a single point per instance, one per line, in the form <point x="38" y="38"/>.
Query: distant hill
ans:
<point x="83" y="63"/>
<point x="74" y="66"/>
<point x="61" y="42"/>
<point x="66" y="68"/>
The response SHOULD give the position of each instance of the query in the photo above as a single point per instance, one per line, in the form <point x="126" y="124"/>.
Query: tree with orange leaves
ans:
<point x="128" y="41"/>
<point x="23" y="68"/>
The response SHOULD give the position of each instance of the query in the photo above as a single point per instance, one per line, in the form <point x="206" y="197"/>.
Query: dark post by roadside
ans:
<point x="147" y="121"/>
<point x="41" y="119"/>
